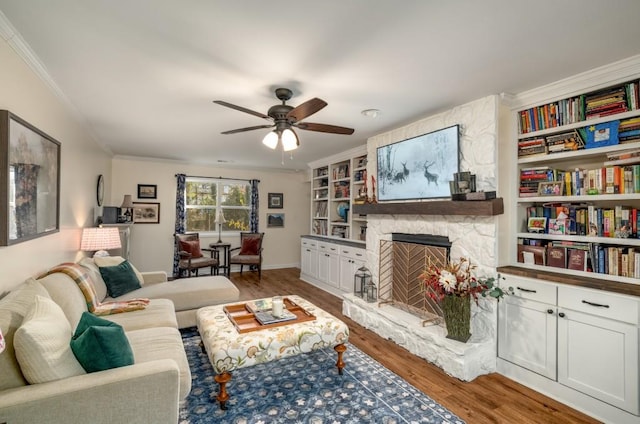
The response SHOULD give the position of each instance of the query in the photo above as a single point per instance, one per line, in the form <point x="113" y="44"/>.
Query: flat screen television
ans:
<point x="419" y="167"/>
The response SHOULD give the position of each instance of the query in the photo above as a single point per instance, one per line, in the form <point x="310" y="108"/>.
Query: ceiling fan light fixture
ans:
<point x="289" y="140"/>
<point x="271" y="140"/>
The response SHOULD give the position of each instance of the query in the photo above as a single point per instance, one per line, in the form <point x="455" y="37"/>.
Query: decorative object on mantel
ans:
<point x="372" y="199"/>
<point x="454" y="285"/>
<point x="463" y="187"/>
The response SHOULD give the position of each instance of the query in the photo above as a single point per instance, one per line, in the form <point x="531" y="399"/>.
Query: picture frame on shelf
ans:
<point x="419" y="167"/>
<point x="276" y="200"/>
<point x="551" y="188"/>
<point x="537" y="224"/>
<point x="147" y="191"/>
<point x="30" y="206"/>
<point x="146" y="212"/>
<point x="275" y="220"/>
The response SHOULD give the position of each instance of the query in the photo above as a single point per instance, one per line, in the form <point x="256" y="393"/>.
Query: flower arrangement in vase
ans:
<point x="453" y="286"/>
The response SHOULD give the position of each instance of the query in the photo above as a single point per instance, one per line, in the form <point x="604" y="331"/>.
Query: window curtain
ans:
<point x="255" y="202"/>
<point x="180" y="217"/>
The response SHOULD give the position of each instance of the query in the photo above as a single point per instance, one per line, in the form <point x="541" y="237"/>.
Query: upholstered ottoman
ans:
<point x="228" y="349"/>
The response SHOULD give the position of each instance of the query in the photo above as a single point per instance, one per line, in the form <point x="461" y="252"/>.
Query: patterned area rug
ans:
<point x="307" y="389"/>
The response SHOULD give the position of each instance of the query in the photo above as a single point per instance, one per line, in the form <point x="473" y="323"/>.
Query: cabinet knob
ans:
<point x="561" y="315"/>
<point x="549" y="311"/>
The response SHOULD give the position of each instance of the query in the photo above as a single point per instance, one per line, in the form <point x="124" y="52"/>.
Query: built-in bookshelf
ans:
<point x="335" y="184"/>
<point x="579" y="184"/>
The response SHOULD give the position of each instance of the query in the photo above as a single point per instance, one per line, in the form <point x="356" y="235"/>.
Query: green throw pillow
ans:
<point x="100" y="345"/>
<point x="120" y="279"/>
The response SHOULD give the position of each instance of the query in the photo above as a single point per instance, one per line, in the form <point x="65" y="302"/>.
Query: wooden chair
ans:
<point x="250" y="252"/>
<point x="191" y="257"/>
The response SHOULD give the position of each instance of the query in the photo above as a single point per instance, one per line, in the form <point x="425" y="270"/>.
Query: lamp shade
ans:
<point x="100" y="238"/>
<point x="220" y="217"/>
<point x="289" y="140"/>
<point x="126" y="202"/>
<point x="270" y="140"/>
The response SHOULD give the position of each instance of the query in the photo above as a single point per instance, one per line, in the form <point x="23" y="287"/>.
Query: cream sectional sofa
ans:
<point x="149" y="391"/>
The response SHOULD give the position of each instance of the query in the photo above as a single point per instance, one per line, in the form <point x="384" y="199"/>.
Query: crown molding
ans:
<point x="594" y="79"/>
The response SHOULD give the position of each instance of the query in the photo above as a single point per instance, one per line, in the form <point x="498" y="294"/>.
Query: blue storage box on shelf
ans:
<point x="600" y="135"/>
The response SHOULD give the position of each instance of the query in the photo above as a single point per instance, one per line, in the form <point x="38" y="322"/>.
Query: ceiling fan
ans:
<point x="283" y="117"/>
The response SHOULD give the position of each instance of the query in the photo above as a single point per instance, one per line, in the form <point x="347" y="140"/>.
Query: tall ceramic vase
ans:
<point x="457" y="317"/>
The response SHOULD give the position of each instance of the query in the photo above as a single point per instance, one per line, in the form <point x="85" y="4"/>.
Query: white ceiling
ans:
<point x="143" y="73"/>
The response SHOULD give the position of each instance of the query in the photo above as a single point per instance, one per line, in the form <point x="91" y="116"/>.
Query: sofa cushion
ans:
<point x="158" y="313"/>
<point x="99" y="344"/>
<point x="120" y="279"/>
<point x="192" y="247"/>
<point x="13" y="308"/>
<point x="65" y="292"/>
<point x="42" y="344"/>
<point x="117" y="260"/>
<point x="162" y="343"/>
<point x="190" y="293"/>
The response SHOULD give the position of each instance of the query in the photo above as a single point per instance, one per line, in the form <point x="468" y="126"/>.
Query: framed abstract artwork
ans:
<point x="29" y="181"/>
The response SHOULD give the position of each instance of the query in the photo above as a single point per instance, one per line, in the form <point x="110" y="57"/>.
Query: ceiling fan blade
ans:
<point x="334" y="129"/>
<point x="307" y="108"/>
<point x="241" y="109"/>
<point x="257" y="127"/>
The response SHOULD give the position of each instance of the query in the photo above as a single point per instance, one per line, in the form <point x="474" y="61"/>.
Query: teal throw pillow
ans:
<point x="100" y="345"/>
<point x="120" y="279"/>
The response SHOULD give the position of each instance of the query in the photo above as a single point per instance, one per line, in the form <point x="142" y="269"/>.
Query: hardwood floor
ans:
<point x="487" y="399"/>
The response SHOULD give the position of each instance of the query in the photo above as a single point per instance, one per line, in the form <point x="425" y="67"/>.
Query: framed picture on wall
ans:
<point x="276" y="201"/>
<point x="147" y="191"/>
<point x="146" y="213"/>
<point x="275" y="220"/>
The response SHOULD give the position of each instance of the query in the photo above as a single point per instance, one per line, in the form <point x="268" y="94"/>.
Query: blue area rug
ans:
<point x="307" y="389"/>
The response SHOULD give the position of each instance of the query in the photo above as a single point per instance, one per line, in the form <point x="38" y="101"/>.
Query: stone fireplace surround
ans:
<point x="471" y="236"/>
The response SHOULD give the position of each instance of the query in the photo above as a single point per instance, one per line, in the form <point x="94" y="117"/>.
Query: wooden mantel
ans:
<point x="437" y="207"/>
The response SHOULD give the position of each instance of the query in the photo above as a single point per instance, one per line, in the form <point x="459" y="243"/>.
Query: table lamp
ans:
<point x="99" y="240"/>
<point x="220" y="220"/>
<point x="127" y="205"/>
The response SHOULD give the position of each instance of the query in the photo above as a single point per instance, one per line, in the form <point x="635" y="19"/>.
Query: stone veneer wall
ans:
<point x="472" y="237"/>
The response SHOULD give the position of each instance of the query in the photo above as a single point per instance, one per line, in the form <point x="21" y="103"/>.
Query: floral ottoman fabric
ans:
<point x="229" y="350"/>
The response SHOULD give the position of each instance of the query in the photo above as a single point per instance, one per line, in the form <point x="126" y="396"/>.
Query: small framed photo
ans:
<point x="557" y="226"/>
<point x="147" y="191"/>
<point x="146" y="213"/>
<point x="276" y="201"/>
<point x="551" y="188"/>
<point x="537" y="224"/>
<point x="275" y="220"/>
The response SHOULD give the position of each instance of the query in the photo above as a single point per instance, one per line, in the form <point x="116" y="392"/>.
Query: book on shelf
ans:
<point x="533" y="255"/>
<point x="577" y="259"/>
<point x="557" y="256"/>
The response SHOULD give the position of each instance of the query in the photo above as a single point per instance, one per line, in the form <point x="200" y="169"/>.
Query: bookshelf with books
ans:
<point x="578" y="170"/>
<point x="336" y="183"/>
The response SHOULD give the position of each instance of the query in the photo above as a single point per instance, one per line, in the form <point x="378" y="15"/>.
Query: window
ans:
<point x="204" y="196"/>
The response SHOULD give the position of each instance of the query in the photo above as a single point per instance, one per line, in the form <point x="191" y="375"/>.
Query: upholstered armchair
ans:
<point x="191" y="256"/>
<point x="249" y="253"/>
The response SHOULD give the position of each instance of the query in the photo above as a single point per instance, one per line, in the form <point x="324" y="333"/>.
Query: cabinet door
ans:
<point x="527" y="334"/>
<point x="599" y="357"/>
<point x="309" y="261"/>
<point x="333" y="272"/>
<point x="348" y="269"/>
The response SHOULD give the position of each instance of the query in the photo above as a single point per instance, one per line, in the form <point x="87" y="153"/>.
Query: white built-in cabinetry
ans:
<point x="335" y="183"/>
<point x="581" y="339"/>
<point x="330" y="264"/>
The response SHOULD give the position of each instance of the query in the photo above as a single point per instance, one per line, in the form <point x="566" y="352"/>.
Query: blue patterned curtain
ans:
<point x="180" y="217"/>
<point x="255" y="202"/>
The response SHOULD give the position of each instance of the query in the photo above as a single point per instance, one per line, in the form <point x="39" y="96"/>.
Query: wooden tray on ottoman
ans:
<point x="245" y="320"/>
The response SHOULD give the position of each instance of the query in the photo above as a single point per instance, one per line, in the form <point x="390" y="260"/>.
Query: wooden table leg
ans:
<point x="340" y="364"/>
<point x="222" y="379"/>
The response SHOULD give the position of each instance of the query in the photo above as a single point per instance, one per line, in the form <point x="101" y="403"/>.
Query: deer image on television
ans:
<point x="401" y="176"/>
<point x="431" y="178"/>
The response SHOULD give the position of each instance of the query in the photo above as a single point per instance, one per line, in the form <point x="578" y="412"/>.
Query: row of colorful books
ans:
<point x="613" y="179"/>
<point x="566" y="141"/>
<point x="598" y="104"/>
<point x="589" y="257"/>
<point x="585" y="220"/>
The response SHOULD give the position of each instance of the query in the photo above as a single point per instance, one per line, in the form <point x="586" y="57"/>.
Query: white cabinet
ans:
<point x="330" y="265"/>
<point x="597" y="355"/>
<point x="351" y="259"/>
<point x="527" y="325"/>
<point x="309" y="258"/>
<point x="580" y="338"/>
